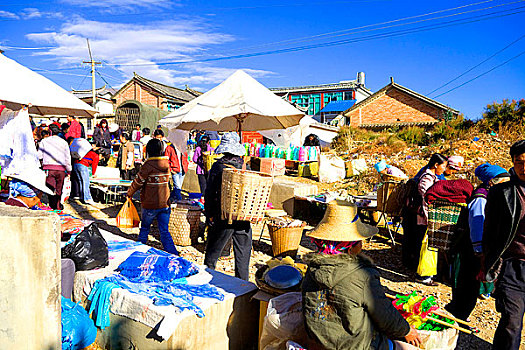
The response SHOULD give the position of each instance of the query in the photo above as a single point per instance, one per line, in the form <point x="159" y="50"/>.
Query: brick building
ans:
<point x="395" y="105"/>
<point x="152" y="93"/>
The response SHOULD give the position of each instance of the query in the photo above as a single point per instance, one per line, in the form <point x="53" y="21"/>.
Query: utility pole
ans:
<point x="93" y="87"/>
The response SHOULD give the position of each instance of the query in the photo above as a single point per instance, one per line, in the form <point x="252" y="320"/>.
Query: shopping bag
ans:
<point x="89" y="250"/>
<point x="66" y="190"/>
<point x="427" y="260"/>
<point x="128" y="217"/>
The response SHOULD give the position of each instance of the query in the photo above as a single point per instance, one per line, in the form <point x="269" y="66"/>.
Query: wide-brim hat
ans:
<point x="36" y="178"/>
<point x="341" y="223"/>
<point x="230" y="143"/>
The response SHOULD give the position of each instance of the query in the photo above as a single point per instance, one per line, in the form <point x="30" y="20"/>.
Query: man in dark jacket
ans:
<point x="220" y="232"/>
<point x="504" y="250"/>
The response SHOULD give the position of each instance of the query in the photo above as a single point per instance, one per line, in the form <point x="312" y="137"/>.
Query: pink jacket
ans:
<point x="425" y="182"/>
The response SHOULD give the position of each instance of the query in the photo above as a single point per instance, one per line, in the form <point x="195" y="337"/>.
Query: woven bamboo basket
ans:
<point x="442" y="223"/>
<point x="244" y="195"/>
<point x="209" y="159"/>
<point x="184" y="223"/>
<point x="390" y="198"/>
<point x="285" y="240"/>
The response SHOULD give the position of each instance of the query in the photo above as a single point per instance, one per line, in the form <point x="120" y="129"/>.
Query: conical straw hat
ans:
<point x="341" y="223"/>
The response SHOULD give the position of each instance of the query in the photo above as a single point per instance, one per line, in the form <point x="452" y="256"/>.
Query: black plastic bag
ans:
<point x="89" y="250"/>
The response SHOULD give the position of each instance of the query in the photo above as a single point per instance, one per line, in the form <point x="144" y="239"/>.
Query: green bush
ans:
<point x="347" y="134"/>
<point x="507" y="112"/>
<point x="414" y="135"/>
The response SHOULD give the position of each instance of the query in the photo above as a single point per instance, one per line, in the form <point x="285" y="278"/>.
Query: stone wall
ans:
<point x="30" y="279"/>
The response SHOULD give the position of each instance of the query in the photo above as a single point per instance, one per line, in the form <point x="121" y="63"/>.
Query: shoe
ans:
<point x="91" y="202"/>
<point x="484" y="296"/>
<point x="428" y="282"/>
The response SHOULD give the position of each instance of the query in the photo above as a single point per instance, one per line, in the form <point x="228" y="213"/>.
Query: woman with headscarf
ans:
<point x="343" y="300"/>
<point x="25" y="191"/>
<point x="220" y="232"/>
<point x="467" y="251"/>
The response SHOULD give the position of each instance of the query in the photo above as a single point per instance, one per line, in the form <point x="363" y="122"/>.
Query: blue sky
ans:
<point x="382" y="38"/>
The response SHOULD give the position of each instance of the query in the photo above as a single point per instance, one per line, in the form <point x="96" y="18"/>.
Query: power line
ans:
<point x="338" y="42"/>
<point x="54" y="72"/>
<point x="85" y="76"/>
<point x="482" y="74"/>
<point x="27" y="48"/>
<point x="477" y="65"/>
<point x="104" y="79"/>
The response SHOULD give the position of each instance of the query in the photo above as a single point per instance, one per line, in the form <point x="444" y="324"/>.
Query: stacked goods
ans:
<point x="244" y="195"/>
<point x="285" y="234"/>
<point x="303" y="153"/>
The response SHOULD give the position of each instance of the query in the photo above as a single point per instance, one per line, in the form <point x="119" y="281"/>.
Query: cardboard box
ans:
<point x="273" y="166"/>
<point x="284" y="191"/>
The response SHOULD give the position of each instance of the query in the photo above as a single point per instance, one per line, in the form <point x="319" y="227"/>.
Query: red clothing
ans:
<point x="175" y="163"/>
<point x="90" y="160"/>
<point x="455" y="191"/>
<point x="75" y="130"/>
<point x="15" y="203"/>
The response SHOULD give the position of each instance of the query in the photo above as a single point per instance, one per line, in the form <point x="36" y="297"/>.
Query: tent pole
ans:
<point x="239" y="129"/>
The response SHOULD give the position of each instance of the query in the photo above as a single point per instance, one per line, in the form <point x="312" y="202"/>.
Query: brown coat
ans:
<point x="125" y="149"/>
<point x="153" y="179"/>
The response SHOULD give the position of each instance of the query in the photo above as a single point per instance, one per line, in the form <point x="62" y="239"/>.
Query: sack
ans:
<point x="427" y="260"/>
<point x="78" y="330"/>
<point x="331" y="168"/>
<point x="128" y="217"/>
<point x="284" y="321"/>
<point x="89" y="250"/>
<point x="66" y="190"/>
<point x="79" y="148"/>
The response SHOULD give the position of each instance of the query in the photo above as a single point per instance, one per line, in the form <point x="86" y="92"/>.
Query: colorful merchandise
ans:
<point x="415" y="309"/>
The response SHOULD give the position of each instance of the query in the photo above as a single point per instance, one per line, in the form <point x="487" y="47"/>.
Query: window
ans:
<point x="171" y="105"/>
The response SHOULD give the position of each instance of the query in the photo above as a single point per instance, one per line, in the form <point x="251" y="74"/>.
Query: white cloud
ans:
<point x="31" y="13"/>
<point x="139" y="48"/>
<point x="5" y="14"/>
<point x="119" y="3"/>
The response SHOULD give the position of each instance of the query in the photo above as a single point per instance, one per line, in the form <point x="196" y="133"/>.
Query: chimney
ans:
<point x="361" y="78"/>
<point x="391" y="80"/>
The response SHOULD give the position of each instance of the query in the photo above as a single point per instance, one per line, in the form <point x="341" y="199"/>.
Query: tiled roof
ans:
<point x="101" y="92"/>
<point x="169" y="91"/>
<point x="405" y="90"/>
<point x="382" y="125"/>
<point x="350" y="84"/>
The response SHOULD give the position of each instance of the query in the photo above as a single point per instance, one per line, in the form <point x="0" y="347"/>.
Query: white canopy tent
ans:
<point x="240" y="103"/>
<point x="21" y="86"/>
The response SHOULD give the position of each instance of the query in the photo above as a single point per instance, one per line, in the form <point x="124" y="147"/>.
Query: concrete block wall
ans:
<point x="30" y="279"/>
<point x="391" y="107"/>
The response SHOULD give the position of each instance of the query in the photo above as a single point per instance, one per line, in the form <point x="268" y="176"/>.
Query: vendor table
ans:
<point x="113" y="189"/>
<point x="138" y="324"/>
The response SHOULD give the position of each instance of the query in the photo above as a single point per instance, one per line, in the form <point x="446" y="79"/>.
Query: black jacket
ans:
<point x="212" y="196"/>
<point x="102" y="137"/>
<point x="502" y="214"/>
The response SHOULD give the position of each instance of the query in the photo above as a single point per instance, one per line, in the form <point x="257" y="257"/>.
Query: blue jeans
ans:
<point x="178" y="179"/>
<point x="163" y="219"/>
<point x="82" y="173"/>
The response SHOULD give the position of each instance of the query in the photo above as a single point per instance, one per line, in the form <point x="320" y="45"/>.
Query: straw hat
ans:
<point x="36" y="178"/>
<point x="341" y="223"/>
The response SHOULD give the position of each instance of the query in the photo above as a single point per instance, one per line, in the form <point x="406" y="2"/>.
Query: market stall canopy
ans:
<point x="22" y="86"/>
<point x="238" y="103"/>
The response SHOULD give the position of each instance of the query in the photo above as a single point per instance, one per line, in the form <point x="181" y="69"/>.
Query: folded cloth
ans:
<point x="148" y="267"/>
<point x="455" y="191"/>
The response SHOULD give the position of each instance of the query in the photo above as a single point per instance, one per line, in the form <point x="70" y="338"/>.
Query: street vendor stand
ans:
<point x="114" y="190"/>
<point x="135" y="322"/>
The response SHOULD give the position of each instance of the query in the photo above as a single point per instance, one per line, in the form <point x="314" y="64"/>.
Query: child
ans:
<point x="153" y="179"/>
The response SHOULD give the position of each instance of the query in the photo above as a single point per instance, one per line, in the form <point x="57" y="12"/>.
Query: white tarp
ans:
<point x="294" y="135"/>
<point x="21" y="86"/>
<point x="238" y="98"/>
<point x="17" y="145"/>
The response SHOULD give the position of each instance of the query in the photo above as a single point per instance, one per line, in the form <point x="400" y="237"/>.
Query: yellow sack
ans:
<point x="128" y="217"/>
<point x="427" y="260"/>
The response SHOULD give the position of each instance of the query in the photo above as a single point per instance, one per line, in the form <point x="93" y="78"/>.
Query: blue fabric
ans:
<point x="380" y="166"/>
<point x="21" y="188"/>
<point x="178" y="178"/>
<point x="476" y="218"/>
<point x="148" y="267"/>
<point x="100" y="300"/>
<point x="82" y="173"/>
<point x="119" y="246"/>
<point x="163" y="218"/>
<point x="486" y="172"/>
<point x="338" y="106"/>
<point x="78" y="330"/>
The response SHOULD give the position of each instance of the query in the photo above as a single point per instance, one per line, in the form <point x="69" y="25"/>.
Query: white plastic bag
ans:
<point x="359" y="166"/>
<point x="331" y="168"/>
<point x="284" y="321"/>
<point x="66" y="190"/>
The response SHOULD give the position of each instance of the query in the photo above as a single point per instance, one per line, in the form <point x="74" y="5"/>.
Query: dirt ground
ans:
<point x="395" y="277"/>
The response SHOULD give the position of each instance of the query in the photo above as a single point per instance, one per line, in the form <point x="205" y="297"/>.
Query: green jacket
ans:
<point x="344" y="304"/>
